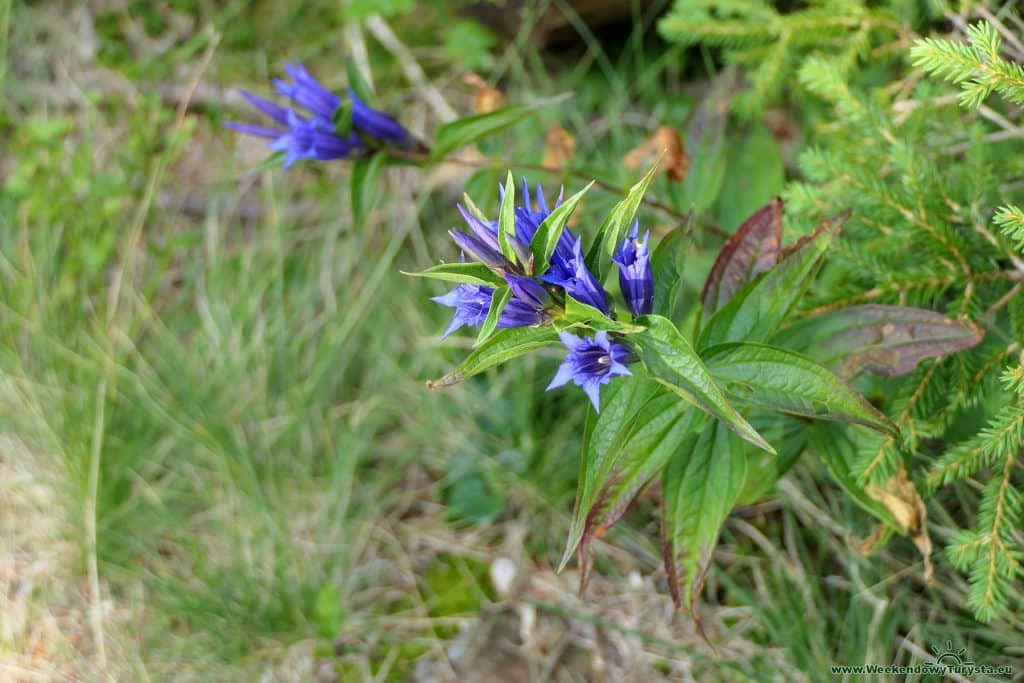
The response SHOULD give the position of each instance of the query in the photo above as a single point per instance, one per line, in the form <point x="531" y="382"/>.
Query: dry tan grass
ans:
<point x="45" y="603"/>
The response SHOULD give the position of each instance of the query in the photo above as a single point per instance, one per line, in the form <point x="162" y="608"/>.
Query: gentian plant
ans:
<point x="684" y="399"/>
<point x="320" y="125"/>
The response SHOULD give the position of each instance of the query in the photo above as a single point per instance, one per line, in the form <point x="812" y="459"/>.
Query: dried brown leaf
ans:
<point x="561" y="146"/>
<point x="901" y="498"/>
<point x="665" y="141"/>
<point x="485" y="98"/>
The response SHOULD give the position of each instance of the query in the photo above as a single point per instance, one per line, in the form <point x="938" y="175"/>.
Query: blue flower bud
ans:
<point x="635" y="277"/>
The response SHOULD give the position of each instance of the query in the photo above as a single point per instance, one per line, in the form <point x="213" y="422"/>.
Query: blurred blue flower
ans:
<point x="575" y="278"/>
<point x="315" y="135"/>
<point x="635" y="277"/>
<point x="590" y="363"/>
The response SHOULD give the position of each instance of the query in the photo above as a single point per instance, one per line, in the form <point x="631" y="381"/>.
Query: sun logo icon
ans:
<point x="947" y="656"/>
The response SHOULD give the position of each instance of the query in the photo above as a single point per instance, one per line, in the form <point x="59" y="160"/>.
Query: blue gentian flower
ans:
<point x="635" y="277"/>
<point x="473" y="302"/>
<point x="518" y="313"/>
<point x="575" y="278"/>
<point x="314" y="134"/>
<point x="528" y="221"/>
<point x="528" y="290"/>
<point x="530" y="298"/>
<point x="479" y="247"/>
<point x="590" y="363"/>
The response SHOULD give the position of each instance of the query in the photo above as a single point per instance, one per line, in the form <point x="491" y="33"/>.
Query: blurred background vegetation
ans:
<point x="218" y="457"/>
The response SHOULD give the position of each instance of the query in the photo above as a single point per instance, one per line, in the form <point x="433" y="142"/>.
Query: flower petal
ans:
<point x="562" y="377"/>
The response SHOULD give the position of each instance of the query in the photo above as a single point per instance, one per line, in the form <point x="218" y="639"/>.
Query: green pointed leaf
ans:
<point x="616" y="226"/>
<point x="759" y="308"/>
<point x="666" y="266"/>
<point x="546" y="238"/>
<point x="507" y="220"/>
<point x="503" y="345"/>
<point x="638" y="457"/>
<point x="672" y="361"/>
<point x="579" y="313"/>
<point x="473" y="209"/>
<point x="700" y="487"/>
<point x="754" y="173"/>
<point x="359" y="85"/>
<point x="469" y="129"/>
<point x="468" y="273"/>
<point x="835" y="447"/>
<point x="342" y="119"/>
<point x="499" y="300"/>
<point x="621" y="400"/>
<point x="705" y="142"/>
<point x="784" y="381"/>
<point x="365" y="174"/>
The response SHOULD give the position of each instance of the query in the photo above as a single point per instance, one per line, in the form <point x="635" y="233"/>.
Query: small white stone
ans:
<point x="635" y="580"/>
<point x="503" y="573"/>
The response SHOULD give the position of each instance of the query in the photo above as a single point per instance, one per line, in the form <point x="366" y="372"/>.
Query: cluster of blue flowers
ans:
<point x="330" y="128"/>
<point x="591" y="361"/>
<point x="322" y="126"/>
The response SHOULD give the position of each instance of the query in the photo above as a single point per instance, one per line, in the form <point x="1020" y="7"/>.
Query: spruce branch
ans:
<point x="1010" y="220"/>
<point x="977" y="66"/>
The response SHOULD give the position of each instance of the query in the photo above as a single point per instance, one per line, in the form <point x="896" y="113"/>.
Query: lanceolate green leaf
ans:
<point x="672" y="361"/>
<point x="507" y="219"/>
<point x="757" y="311"/>
<point x="665" y="266"/>
<point x="502" y="346"/>
<point x="781" y="380"/>
<point x="365" y="174"/>
<point x="499" y="300"/>
<point x="473" y="209"/>
<point x="468" y="273"/>
<point x="654" y="436"/>
<point x="546" y="238"/>
<point x="621" y="401"/>
<point x="832" y="443"/>
<point x="699" y="488"/>
<point x="359" y="85"/>
<point x="623" y="455"/>
<point x="461" y="132"/>
<point x="577" y="312"/>
<point x="616" y="226"/>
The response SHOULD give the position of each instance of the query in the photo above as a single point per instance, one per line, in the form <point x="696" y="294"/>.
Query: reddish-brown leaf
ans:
<point x="750" y="251"/>
<point x="885" y="340"/>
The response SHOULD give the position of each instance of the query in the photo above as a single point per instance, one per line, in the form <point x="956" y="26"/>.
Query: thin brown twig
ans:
<point x="681" y="216"/>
